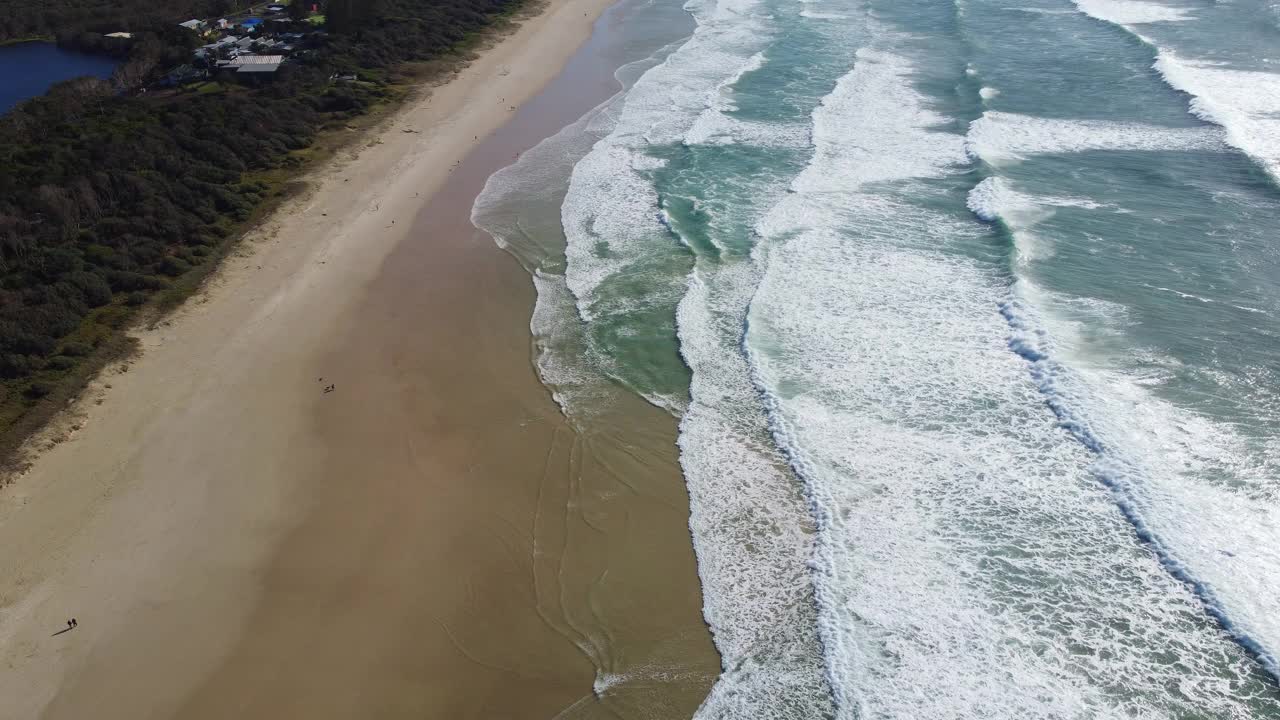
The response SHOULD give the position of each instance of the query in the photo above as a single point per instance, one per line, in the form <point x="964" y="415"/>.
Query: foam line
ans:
<point x="1126" y="472"/>
<point x="1133" y="12"/>
<point x="1246" y="103"/>
<point x="963" y="542"/>
<point x="1050" y="376"/>
<point x="1000" y="137"/>
<point x="610" y="213"/>
<point x="748" y="525"/>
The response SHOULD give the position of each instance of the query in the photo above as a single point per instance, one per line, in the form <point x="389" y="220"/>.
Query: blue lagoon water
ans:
<point x="970" y="314"/>
<point x="29" y="69"/>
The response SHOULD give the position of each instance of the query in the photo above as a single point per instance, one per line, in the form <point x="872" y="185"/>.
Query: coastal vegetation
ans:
<point x="115" y="196"/>
<point x="23" y="19"/>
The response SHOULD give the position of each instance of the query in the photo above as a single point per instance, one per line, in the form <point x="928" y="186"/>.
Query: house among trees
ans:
<point x="182" y="75"/>
<point x="251" y="67"/>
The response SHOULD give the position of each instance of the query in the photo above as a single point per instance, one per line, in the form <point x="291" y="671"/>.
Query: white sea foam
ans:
<point x="747" y="519"/>
<point x="1000" y="137"/>
<point x="716" y="128"/>
<point x="1041" y="11"/>
<point x="848" y="138"/>
<point x="721" y="98"/>
<point x="822" y="15"/>
<point x="993" y="199"/>
<point x="1194" y="488"/>
<point x="1246" y="102"/>
<point x="988" y="93"/>
<point x="519" y="208"/>
<point x="750" y="526"/>
<point x="716" y="125"/>
<point x="502" y="209"/>
<point x="1158" y="460"/>
<point x="610" y="218"/>
<point x="576" y="384"/>
<point x="964" y="544"/>
<point x="610" y="215"/>
<point x="1201" y="298"/>
<point x="1133" y="11"/>
<point x="950" y="503"/>
<point x="1201" y="492"/>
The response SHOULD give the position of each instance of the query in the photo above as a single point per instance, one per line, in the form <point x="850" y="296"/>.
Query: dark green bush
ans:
<point x="94" y="288"/>
<point x="105" y="192"/>
<point x="174" y="266"/>
<point x="76" y="349"/>
<point x="61" y="362"/>
<point x="39" y="388"/>
<point x="13" y="365"/>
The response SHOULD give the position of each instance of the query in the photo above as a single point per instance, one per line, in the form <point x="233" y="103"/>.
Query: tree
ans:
<point x="143" y="62"/>
<point x="338" y="16"/>
<point x="107" y="195"/>
<point x="298" y="10"/>
<point x="348" y="16"/>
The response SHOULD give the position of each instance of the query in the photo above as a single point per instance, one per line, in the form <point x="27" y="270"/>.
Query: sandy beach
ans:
<point x="429" y="539"/>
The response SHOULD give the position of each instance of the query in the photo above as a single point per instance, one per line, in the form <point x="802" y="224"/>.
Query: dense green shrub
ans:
<point x="61" y="362"/>
<point x="107" y="196"/>
<point x="39" y="388"/>
<point x="174" y="266"/>
<point x="82" y="22"/>
<point x="76" y="349"/>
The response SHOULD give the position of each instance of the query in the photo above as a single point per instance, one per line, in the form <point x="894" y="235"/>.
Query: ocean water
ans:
<point x="969" y="311"/>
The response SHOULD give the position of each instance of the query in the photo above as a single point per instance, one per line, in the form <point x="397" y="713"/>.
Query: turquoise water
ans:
<point x="969" y="313"/>
<point x="29" y="69"/>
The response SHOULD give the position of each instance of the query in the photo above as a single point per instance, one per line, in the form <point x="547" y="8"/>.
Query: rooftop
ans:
<point x="259" y="60"/>
<point x="254" y="63"/>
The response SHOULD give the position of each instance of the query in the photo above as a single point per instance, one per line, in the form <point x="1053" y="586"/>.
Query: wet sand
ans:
<point x="512" y="563"/>
<point x="430" y="539"/>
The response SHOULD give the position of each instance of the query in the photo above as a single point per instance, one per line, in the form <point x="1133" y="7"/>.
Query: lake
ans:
<point x="29" y="69"/>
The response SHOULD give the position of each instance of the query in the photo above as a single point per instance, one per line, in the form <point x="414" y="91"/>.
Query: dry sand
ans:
<point x="428" y="540"/>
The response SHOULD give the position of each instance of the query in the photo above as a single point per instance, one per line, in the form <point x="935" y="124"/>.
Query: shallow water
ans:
<point x="969" y="313"/>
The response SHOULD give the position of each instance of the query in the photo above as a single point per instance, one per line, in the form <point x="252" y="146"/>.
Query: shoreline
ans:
<point x="206" y="486"/>
<point x="24" y="41"/>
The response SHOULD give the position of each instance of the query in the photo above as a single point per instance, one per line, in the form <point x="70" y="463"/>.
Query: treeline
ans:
<point x="107" y="198"/>
<point x="20" y="19"/>
<point x="382" y="33"/>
